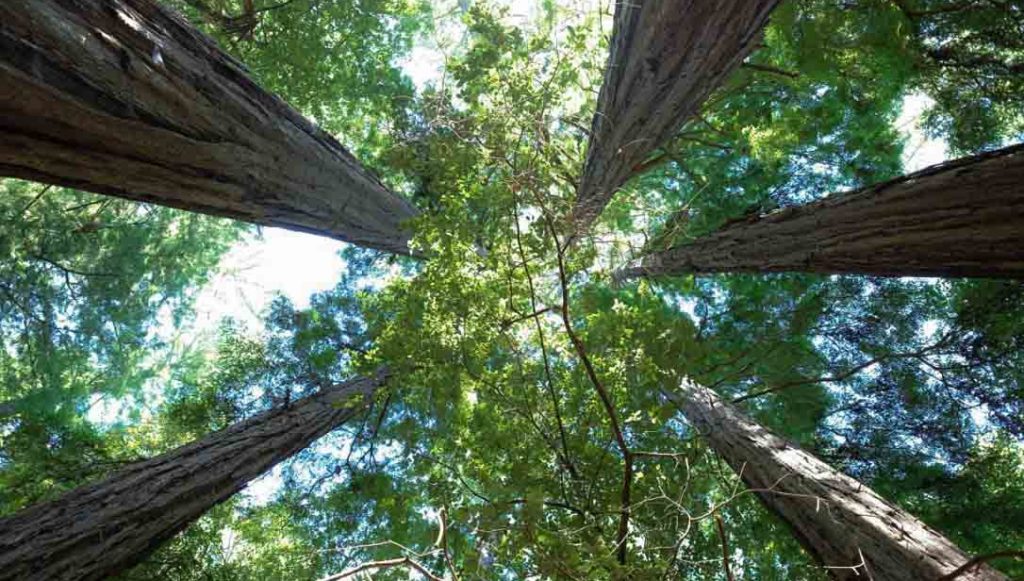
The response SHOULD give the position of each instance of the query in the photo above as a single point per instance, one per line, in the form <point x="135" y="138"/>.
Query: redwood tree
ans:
<point x="101" y="529"/>
<point x="848" y="528"/>
<point x="961" y="218"/>
<point x="124" y="97"/>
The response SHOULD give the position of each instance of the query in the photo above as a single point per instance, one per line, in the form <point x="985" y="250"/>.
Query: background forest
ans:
<point x="524" y="372"/>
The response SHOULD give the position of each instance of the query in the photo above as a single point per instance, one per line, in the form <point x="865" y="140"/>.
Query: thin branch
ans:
<point x="70" y="270"/>
<point x="603" y="395"/>
<point x="725" y="547"/>
<point x="274" y="6"/>
<point x="977" y="561"/>
<point x="846" y="374"/>
<point x="672" y="455"/>
<point x="385" y="564"/>
<point x="567" y="458"/>
<point x="35" y="199"/>
<point x="443" y="538"/>
<point x="771" y="69"/>
<point x="554" y="504"/>
<point x="650" y="164"/>
<point x="508" y="323"/>
<point x="915" y="14"/>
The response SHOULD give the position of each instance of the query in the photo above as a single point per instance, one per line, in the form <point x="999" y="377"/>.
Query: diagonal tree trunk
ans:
<point x="961" y="218"/>
<point x="125" y="98"/>
<point x="842" y="523"/>
<point x="101" y="529"/>
<point x="666" y="58"/>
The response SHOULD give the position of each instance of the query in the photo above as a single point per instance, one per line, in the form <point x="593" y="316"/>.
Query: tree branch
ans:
<point x="771" y="69"/>
<point x="969" y="565"/>
<point x="725" y="547"/>
<point x="602" y="392"/>
<point x="385" y="564"/>
<point x="544" y="352"/>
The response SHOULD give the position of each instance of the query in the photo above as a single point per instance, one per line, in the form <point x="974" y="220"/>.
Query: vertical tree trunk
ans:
<point x="101" y="529"/>
<point x="961" y="218"/>
<point x="666" y="58"/>
<point x="125" y="98"/>
<point x="842" y="523"/>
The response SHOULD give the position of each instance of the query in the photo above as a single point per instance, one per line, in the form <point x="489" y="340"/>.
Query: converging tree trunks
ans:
<point x="101" y="529"/>
<point x="532" y="436"/>
<point x="848" y="528"/>
<point x="125" y="98"/>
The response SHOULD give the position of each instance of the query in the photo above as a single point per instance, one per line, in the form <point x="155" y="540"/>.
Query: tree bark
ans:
<point x="961" y="218"/>
<point x="125" y="98"/>
<point x="666" y="57"/>
<point x="842" y="523"/>
<point x="101" y="529"/>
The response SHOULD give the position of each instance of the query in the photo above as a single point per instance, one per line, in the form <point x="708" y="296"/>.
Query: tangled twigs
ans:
<point x="409" y="561"/>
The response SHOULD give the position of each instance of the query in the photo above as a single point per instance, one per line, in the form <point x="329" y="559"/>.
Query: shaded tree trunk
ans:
<point x="841" y="522"/>
<point x="666" y="57"/>
<point x="125" y="98"/>
<point x="961" y="218"/>
<point x="101" y="529"/>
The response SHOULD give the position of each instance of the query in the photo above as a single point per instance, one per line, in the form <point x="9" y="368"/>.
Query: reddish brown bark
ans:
<point x="124" y="97"/>
<point x="962" y="218"/>
<point x="841" y="522"/>
<point x="666" y="58"/>
<point x="101" y="529"/>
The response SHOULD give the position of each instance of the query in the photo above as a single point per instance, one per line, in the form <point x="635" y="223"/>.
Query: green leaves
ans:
<point x="491" y="414"/>
<point x="91" y="291"/>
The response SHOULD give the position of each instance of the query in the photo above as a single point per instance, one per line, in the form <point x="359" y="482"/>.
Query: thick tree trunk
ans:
<point x="962" y="218"/>
<point x="124" y="97"/>
<point x="842" y="523"/>
<point x="101" y="529"/>
<point x="666" y="58"/>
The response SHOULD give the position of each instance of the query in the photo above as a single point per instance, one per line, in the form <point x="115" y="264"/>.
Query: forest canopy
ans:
<point x="527" y="423"/>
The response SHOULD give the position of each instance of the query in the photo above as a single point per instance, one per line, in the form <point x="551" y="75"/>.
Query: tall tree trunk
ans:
<point x="125" y="98"/>
<point x="841" y="522"/>
<point x="666" y="58"/>
<point x="961" y="218"/>
<point x="101" y="529"/>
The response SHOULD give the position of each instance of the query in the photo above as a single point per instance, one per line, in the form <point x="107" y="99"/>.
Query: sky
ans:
<point x="920" y="151"/>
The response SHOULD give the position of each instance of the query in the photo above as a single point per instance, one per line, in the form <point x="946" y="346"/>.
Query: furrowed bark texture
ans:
<point x="666" y="57"/>
<point x="961" y="218"/>
<point x="841" y="522"/>
<point x="125" y="98"/>
<point x="101" y="529"/>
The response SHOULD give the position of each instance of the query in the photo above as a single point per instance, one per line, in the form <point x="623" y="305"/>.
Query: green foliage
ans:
<point x="980" y="505"/>
<point x="526" y="379"/>
<point x="965" y="55"/>
<point x="86" y="283"/>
